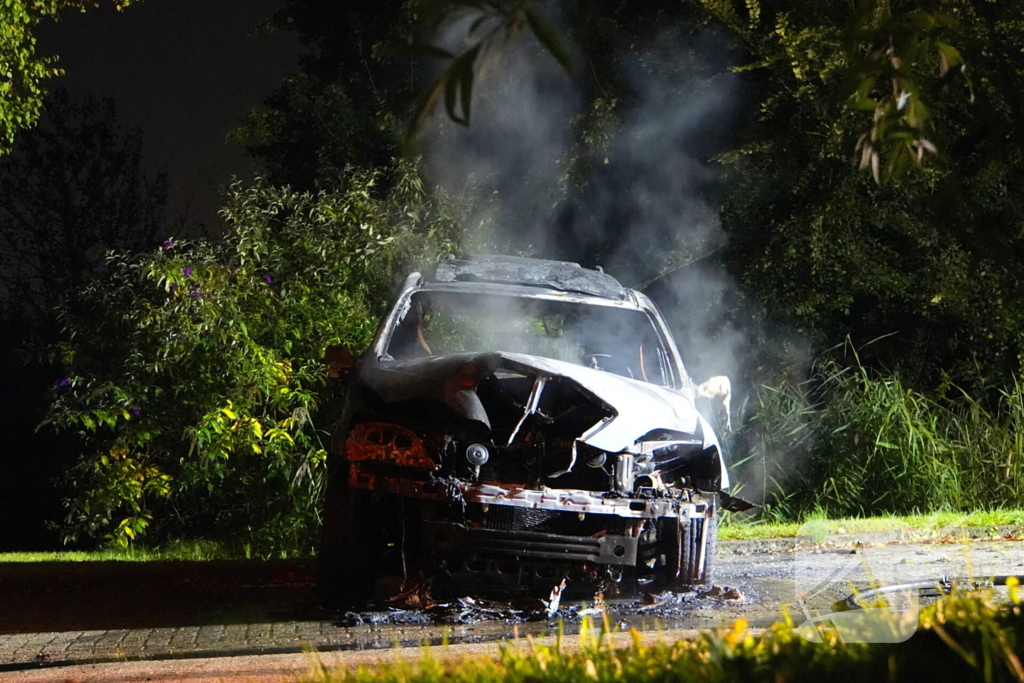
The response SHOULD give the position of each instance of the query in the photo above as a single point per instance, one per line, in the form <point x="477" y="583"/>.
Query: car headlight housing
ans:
<point x="387" y="443"/>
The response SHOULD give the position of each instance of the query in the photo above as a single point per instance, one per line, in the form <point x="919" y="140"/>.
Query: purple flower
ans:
<point x="64" y="382"/>
<point x="268" y="279"/>
<point x="95" y="270"/>
<point x="188" y="271"/>
<point x="168" y="244"/>
<point x="196" y="293"/>
<point x="135" y="410"/>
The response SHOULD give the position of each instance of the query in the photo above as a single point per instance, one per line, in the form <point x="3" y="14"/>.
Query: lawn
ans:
<point x="742" y="530"/>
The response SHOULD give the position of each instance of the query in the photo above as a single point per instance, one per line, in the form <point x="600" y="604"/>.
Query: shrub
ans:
<point x="194" y="371"/>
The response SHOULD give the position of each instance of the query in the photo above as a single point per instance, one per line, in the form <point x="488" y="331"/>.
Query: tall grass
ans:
<point x="850" y="442"/>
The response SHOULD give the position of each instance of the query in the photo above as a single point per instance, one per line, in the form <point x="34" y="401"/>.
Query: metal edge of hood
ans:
<point x="639" y="407"/>
<point x="711" y="439"/>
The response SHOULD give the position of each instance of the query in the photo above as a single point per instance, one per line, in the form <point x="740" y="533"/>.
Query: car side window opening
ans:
<point x="607" y="338"/>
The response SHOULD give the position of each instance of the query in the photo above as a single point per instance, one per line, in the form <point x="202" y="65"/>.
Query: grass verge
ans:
<point x="741" y="530"/>
<point x="178" y="550"/>
<point x="962" y="638"/>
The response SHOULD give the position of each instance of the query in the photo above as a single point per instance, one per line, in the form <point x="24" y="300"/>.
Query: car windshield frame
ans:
<point x="673" y="370"/>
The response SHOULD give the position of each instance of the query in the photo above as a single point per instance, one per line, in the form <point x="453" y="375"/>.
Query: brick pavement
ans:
<point x="30" y="650"/>
<point x="24" y="650"/>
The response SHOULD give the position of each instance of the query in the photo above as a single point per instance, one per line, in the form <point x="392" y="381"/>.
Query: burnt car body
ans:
<point x="516" y="422"/>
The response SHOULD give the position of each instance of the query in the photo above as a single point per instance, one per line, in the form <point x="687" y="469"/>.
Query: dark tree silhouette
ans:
<point x="72" y="188"/>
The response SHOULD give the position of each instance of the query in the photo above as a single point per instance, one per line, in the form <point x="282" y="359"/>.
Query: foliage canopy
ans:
<point x="22" y="70"/>
<point x="195" y="371"/>
<point x="871" y="190"/>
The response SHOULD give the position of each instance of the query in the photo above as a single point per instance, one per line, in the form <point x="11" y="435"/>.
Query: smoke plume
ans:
<point x="561" y="168"/>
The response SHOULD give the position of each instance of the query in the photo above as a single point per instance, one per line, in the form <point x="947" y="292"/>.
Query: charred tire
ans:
<point x="686" y="557"/>
<point x="365" y="536"/>
<point x="345" y="557"/>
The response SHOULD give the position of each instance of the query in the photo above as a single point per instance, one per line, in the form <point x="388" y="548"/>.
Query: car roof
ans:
<point x="560" y="276"/>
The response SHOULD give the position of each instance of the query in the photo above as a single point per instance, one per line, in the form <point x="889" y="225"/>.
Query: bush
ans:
<point x="851" y="442"/>
<point x="194" y="371"/>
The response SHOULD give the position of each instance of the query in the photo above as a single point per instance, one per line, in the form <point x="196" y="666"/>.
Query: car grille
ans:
<point x="506" y="518"/>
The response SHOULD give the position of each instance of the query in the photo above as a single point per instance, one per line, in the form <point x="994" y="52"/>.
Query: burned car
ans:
<point x="516" y="422"/>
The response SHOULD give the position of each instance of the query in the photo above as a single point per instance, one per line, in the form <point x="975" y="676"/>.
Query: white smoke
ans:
<point x="636" y="192"/>
<point x="510" y="159"/>
<point x="639" y="197"/>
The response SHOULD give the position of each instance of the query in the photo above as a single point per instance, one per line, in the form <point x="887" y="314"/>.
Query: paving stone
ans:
<point x="258" y="631"/>
<point x="184" y="637"/>
<point x="32" y="649"/>
<point x="284" y="628"/>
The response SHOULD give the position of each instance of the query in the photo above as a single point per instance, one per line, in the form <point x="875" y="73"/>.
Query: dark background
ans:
<point x="184" y="72"/>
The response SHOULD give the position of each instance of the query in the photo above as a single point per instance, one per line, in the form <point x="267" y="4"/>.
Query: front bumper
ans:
<point x="558" y="500"/>
<point x="612" y="536"/>
<point x="529" y="546"/>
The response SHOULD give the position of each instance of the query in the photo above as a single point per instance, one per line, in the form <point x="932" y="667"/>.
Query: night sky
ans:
<point x="185" y="72"/>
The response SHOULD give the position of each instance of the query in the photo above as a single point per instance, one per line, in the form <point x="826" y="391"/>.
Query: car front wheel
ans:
<point x="691" y="551"/>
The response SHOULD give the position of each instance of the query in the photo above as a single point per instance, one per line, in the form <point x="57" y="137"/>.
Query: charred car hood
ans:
<point x="636" y="407"/>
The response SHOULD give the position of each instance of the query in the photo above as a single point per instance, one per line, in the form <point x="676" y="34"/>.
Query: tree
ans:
<point x="930" y="257"/>
<point x="885" y="53"/>
<point x="847" y="96"/>
<point x="342" y="108"/>
<point x="194" y="371"/>
<point x="72" y="189"/>
<point x="22" y="71"/>
<point x="826" y="234"/>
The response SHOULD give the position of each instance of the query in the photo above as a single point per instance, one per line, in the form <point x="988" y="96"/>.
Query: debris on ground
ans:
<point x="391" y="617"/>
<point x="468" y="610"/>
<point x="555" y="599"/>
<point x="723" y="593"/>
<point x="471" y="610"/>
<point x="732" y="594"/>
<point x="415" y="597"/>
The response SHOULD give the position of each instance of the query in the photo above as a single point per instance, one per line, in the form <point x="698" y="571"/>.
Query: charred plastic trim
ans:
<point x="513" y="270"/>
<point x="532" y="546"/>
<point x="559" y="500"/>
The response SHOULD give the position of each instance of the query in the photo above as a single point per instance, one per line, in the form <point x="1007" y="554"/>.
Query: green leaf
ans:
<point x="949" y="56"/>
<point x="466" y="84"/>
<point x="426" y="106"/>
<point x="548" y="37"/>
<point x="459" y="85"/>
<point x="451" y="91"/>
